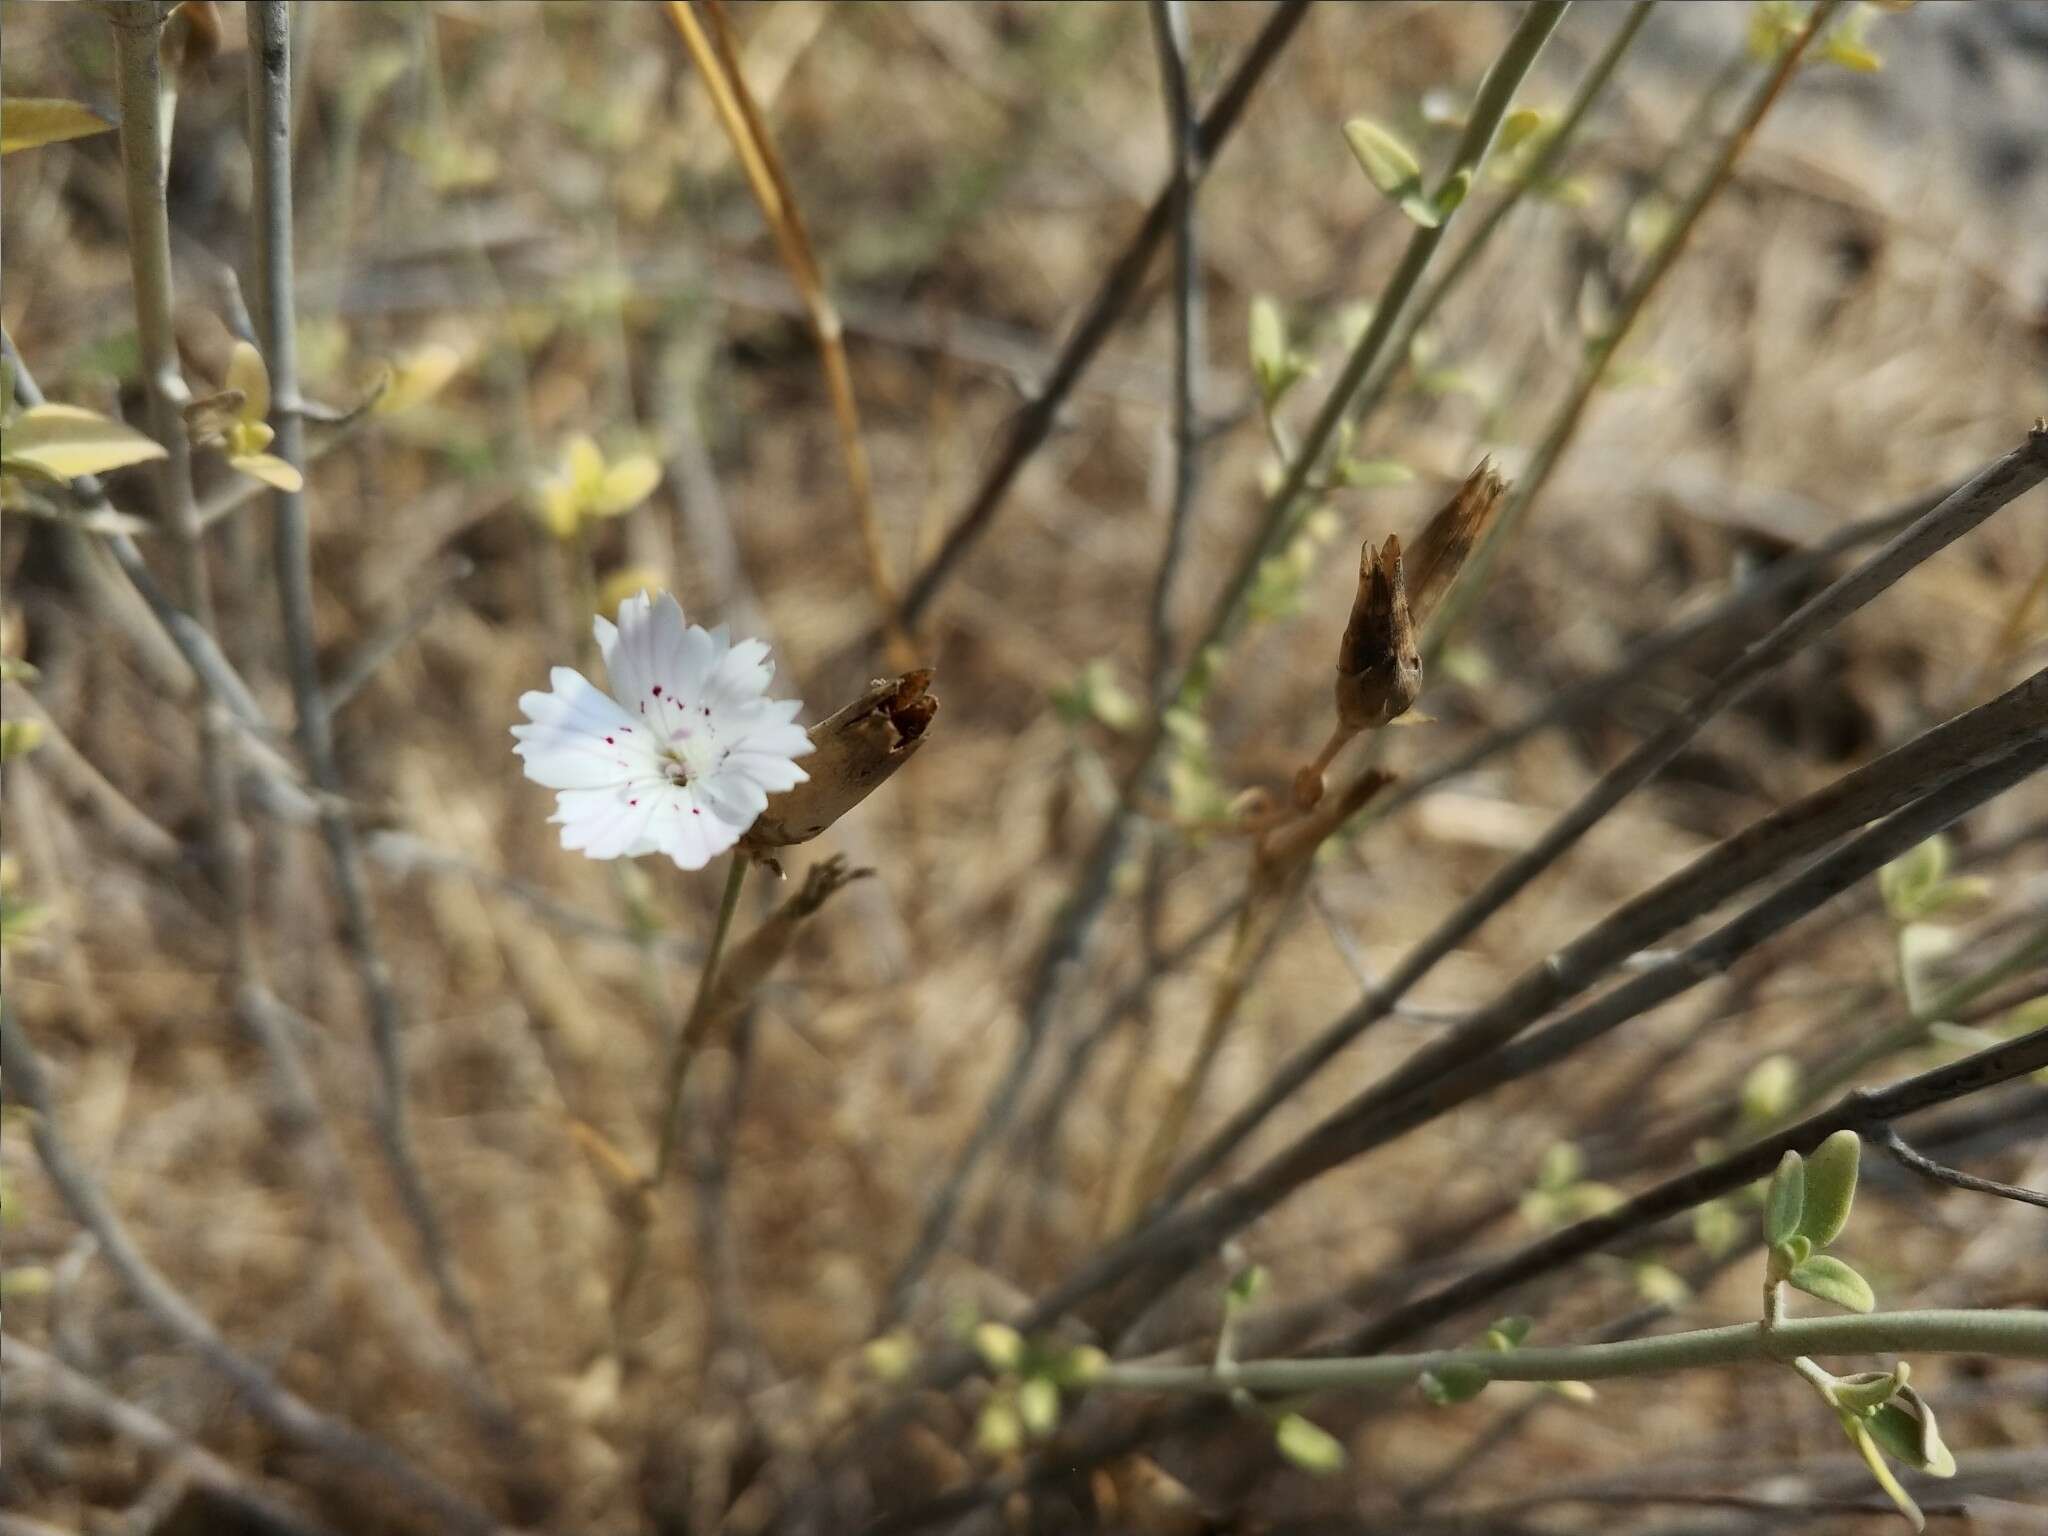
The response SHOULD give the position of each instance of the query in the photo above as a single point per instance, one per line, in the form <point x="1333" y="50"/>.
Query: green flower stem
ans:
<point x="1546" y="160"/>
<point x="1282" y="512"/>
<point x="2013" y="1335"/>
<point x="1600" y="350"/>
<point x="686" y="1038"/>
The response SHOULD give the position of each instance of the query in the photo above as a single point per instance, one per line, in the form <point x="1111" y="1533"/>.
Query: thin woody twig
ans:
<point x="270" y="92"/>
<point x="144" y="150"/>
<point x="1867" y="1112"/>
<point x="1986" y="492"/>
<point x="1601" y="349"/>
<point x="712" y="52"/>
<point x="287" y="1414"/>
<point x="1941" y="1173"/>
<point x="34" y="1376"/>
<point x="1067" y="941"/>
<point x="1030" y="427"/>
<point x="1470" y="1059"/>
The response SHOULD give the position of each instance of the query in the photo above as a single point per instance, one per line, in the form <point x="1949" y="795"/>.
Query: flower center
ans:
<point x="691" y="752"/>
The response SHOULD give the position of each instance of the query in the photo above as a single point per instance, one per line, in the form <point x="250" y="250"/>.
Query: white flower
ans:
<point x="681" y="757"/>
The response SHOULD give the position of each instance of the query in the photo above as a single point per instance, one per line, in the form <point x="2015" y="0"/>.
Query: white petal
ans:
<point x="654" y="657"/>
<point x="579" y="738"/>
<point x="773" y="739"/>
<point x="733" y="797"/>
<point x="741" y="676"/>
<point x="603" y="823"/>
<point x="773" y="773"/>
<point x="690" y="832"/>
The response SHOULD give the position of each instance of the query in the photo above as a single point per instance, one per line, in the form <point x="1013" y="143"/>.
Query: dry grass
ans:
<point x="1836" y="339"/>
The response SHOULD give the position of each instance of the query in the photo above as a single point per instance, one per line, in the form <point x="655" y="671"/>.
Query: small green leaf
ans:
<point x="1307" y="1445"/>
<point x="1860" y="1436"/>
<point x="1771" y="1090"/>
<point x="1905" y="881"/>
<point x="1519" y="125"/>
<point x="62" y="442"/>
<point x="1389" y="164"/>
<point x="1905" y="1426"/>
<point x="1078" y="1366"/>
<point x="1000" y="1345"/>
<point x="1038" y="1406"/>
<point x="999" y="1432"/>
<point x="625" y="485"/>
<point x="1867" y="1391"/>
<point x="890" y="1357"/>
<point x="1830" y="1187"/>
<point x="1661" y="1285"/>
<point x="1247" y="1285"/>
<point x="18" y="738"/>
<point x="1448" y="197"/>
<point x="1563" y="1164"/>
<point x="1453" y="1383"/>
<point x="1372" y="474"/>
<point x="29" y="121"/>
<point x="1832" y="1280"/>
<point x="1268" y="336"/>
<point x="1511" y="1331"/>
<point x="1786" y="1200"/>
<point x="1716" y="1227"/>
<point x="279" y="474"/>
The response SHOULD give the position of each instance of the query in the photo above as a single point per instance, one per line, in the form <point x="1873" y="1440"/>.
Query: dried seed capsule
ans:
<point x="1379" y="668"/>
<point x="856" y="749"/>
<point x="1448" y="539"/>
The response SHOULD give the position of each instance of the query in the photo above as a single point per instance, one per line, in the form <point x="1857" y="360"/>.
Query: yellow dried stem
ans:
<point x="718" y="63"/>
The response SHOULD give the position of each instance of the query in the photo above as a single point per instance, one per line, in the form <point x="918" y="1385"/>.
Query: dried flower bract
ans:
<point x="1448" y="539"/>
<point x="856" y="750"/>
<point x="1379" y="667"/>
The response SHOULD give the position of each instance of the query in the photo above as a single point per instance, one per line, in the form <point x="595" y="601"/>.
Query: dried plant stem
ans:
<point x="390" y="1289"/>
<point x="298" y="1422"/>
<point x="2010" y="1335"/>
<point x="1067" y="941"/>
<point x="1941" y="1173"/>
<point x="1966" y="762"/>
<point x="1030" y="427"/>
<point x="143" y="150"/>
<point x="1601" y="349"/>
<point x="270" y="94"/>
<point x="35" y="1377"/>
<point x="1867" y="1112"/>
<point x="712" y="52"/>
<point x="1993" y="487"/>
<point x="1281" y="865"/>
<point x="1184" y="140"/>
<point x="1259" y="917"/>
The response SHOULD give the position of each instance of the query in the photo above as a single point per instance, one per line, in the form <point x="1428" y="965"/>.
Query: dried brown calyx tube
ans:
<point x="854" y="752"/>
<point x="1379" y="663"/>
